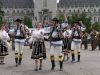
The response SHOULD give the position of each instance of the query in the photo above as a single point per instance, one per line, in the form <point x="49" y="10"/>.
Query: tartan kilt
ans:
<point x="3" y="49"/>
<point x="39" y="50"/>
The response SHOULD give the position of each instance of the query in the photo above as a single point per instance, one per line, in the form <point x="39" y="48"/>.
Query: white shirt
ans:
<point x="63" y="25"/>
<point x="36" y="34"/>
<point x="4" y="35"/>
<point x="67" y="33"/>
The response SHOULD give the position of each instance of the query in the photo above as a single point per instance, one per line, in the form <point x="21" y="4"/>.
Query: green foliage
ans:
<point x="1" y="19"/>
<point x="1" y="13"/>
<point x="61" y="18"/>
<point x="28" y="21"/>
<point x="81" y="17"/>
<point x="96" y="26"/>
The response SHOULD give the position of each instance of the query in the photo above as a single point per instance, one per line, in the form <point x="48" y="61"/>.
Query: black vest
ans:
<point x="22" y="34"/>
<point x="58" y="37"/>
<point x="73" y="34"/>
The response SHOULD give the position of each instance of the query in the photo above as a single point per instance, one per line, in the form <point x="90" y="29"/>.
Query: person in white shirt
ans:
<point x="67" y="41"/>
<point x="76" y="40"/>
<point x="20" y="35"/>
<point x="56" y="44"/>
<point x="39" y="50"/>
<point x="3" y="44"/>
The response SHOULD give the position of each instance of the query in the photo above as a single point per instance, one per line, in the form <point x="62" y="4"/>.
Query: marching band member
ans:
<point x="20" y="35"/>
<point x="56" y="44"/>
<point x="76" y="40"/>
<point x="39" y="50"/>
<point x="3" y="44"/>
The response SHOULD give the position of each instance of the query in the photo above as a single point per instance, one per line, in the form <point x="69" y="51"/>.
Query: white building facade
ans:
<point x="45" y="9"/>
<point x="91" y="7"/>
<point x="14" y="9"/>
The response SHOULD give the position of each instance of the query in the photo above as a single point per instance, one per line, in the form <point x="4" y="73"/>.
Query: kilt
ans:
<point x="67" y="44"/>
<point x="39" y="50"/>
<point x="3" y="49"/>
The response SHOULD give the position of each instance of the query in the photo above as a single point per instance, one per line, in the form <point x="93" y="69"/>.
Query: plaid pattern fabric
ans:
<point x="3" y="49"/>
<point x="67" y="44"/>
<point x="39" y="50"/>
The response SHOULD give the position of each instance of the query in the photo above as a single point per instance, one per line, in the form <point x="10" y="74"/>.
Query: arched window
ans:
<point x="32" y="11"/>
<point x="88" y="10"/>
<point x="78" y="10"/>
<point x="28" y="11"/>
<point x="22" y="11"/>
<point x="69" y="10"/>
<point x="99" y="10"/>
<point x="13" y="11"/>
<point x="74" y="10"/>
<point x="94" y="10"/>
<point x="44" y="3"/>
<point x="17" y="11"/>
<point x="7" y="11"/>
<point x="84" y="10"/>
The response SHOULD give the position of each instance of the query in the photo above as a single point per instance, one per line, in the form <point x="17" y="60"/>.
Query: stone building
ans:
<point x="91" y="7"/>
<point x="17" y="9"/>
<point x="45" y="9"/>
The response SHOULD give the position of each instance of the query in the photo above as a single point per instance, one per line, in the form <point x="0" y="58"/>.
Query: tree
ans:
<point x="96" y="26"/>
<point x="81" y="17"/>
<point x="1" y="13"/>
<point x="61" y="16"/>
<point x="28" y="21"/>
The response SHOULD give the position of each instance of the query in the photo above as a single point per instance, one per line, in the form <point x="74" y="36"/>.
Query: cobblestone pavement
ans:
<point x="89" y="65"/>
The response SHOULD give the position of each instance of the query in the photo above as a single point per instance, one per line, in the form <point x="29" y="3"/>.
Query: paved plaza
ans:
<point x="89" y="65"/>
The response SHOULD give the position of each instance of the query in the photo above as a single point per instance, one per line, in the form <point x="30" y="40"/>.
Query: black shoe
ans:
<point x="53" y="67"/>
<point x="16" y="65"/>
<point x="73" y="60"/>
<point x="16" y="61"/>
<point x="36" y="69"/>
<point x="92" y="50"/>
<point x="61" y="69"/>
<point x="19" y="63"/>
<point x="78" y="61"/>
<point x="40" y="68"/>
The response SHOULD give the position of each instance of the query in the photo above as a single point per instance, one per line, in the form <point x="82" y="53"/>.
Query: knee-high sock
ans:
<point x="20" y="58"/>
<point x="61" y="62"/>
<point x="52" y="62"/>
<point x="73" y="55"/>
<point x="16" y="58"/>
<point x="78" y="55"/>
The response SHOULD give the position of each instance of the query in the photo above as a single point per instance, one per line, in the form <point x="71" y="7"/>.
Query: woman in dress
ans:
<point x="3" y="44"/>
<point x="39" y="51"/>
<point x="67" y="42"/>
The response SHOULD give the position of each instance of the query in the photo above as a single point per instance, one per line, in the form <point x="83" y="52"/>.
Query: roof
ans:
<point x="78" y="3"/>
<point x="18" y="3"/>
